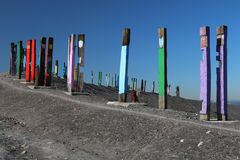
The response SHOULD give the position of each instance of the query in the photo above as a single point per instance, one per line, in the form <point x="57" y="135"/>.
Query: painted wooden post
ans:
<point x="153" y="87"/>
<point x="112" y="81"/>
<point x="37" y="76"/>
<point x="135" y="84"/>
<point x="222" y="73"/>
<point x="144" y="86"/>
<point x="24" y="60"/>
<point x="205" y="74"/>
<point x="12" y="59"/>
<point x="20" y="59"/>
<point x="108" y="79"/>
<point x="41" y="76"/>
<point x="92" y="77"/>
<point x="115" y="80"/>
<point x="123" y="84"/>
<point x="56" y="68"/>
<point x="162" y="67"/>
<point x="177" y="91"/>
<point x="33" y="60"/>
<point x="64" y="71"/>
<point x="49" y="62"/>
<point x="28" y="61"/>
<point x="81" y="62"/>
<point x="141" y="85"/>
<point x="71" y="59"/>
<point x="99" y="78"/>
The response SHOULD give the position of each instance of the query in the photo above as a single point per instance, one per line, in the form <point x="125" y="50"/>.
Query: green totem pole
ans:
<point x="20" y="59"/>
<point x="162" y="67"/>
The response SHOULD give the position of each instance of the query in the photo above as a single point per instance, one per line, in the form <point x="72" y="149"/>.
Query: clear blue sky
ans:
<point x="103" y="20"/>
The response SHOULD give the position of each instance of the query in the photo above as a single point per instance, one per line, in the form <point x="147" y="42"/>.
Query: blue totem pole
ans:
<point x="123" y="76"/>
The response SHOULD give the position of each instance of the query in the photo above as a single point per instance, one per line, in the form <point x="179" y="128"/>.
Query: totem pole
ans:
<point x="71" y="56"/>
<point x="142" y="85"/>
<point x="64" y="71"/>
<point x="81" y="47"/>
<point x="123" y="83"/>
<point x="49" y="62"/>
<point x="112" y="81"/>
<point x="115" y="80"/>
<point x="24" y="59"/>
<point x="178" y="91"/>
<point x="33" y="60"/>
<point x="135" y="84"/>
<point x="205" y="74"/>
<point x="41" y="75"/>
<point x="92" y="77"/>
<point x="108" y="79"/>
<point x="56" y="68"/>
<point x="20" y="59"/>
<point x="162" y="67"/>
<point x="12" y="67"/>
<point x="99" y="78"/>
<point x="222" y="72"/>
<point x="28" y="61"/>
<point x="153" y="87"/>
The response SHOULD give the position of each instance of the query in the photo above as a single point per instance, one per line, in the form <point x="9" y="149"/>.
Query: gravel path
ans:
<point x="48" y="124"/>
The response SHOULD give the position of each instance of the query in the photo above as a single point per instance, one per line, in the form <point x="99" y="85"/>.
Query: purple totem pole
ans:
<point x="205" y="74"/>
<point x="222" y="72"/>
<point x="71" y="55"/>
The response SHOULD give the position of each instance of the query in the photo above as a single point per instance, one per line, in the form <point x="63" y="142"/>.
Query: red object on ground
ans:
<point x="134" y="96"/>
<point x="33" y="50"/>
<point x="28" y="61"/>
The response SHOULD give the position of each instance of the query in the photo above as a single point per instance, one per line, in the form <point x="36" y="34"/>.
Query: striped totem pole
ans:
<point x="205" y="74"/>
<point x="123" y="82"/>
<point x="28" y="61"/>
<point x="71" y="59"/>
<point x="222" y="72"/>
<point x="162" y="67"/>
<point x="49" y="58"/>
<point x="81" y="48"/>
<point x="33" y="60"/>
<point x="41" y="75"/>
<point x="56" y="68"/>
<point x="20" y="59"/>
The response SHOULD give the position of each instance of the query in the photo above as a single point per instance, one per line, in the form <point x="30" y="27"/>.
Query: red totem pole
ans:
<point x="28" y="61"/>
<point x="33" y="58"/>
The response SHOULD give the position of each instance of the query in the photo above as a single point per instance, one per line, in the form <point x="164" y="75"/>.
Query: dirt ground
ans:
<point x="48" y="124"/>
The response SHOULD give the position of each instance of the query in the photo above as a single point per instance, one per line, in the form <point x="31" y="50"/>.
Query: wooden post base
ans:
<point x="204" y="117"/>
<point x="122" y="97"/>
<point x="222" y="117"/>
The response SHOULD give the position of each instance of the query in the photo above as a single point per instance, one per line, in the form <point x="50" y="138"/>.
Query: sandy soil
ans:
<point x="48" y="124"/>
